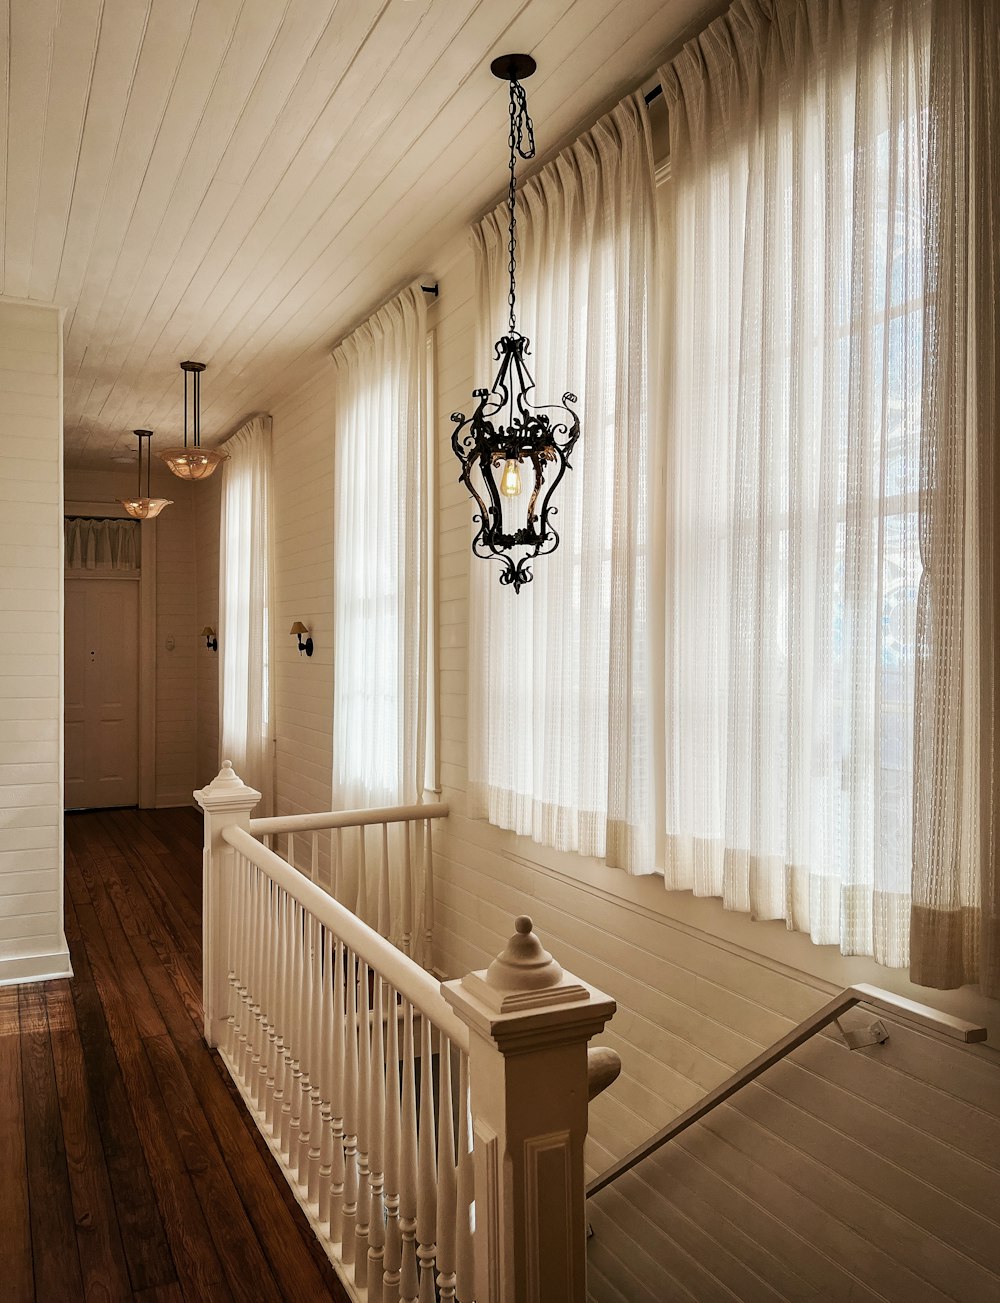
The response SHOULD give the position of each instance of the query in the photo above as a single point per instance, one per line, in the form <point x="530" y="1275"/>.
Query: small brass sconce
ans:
<point x="208" y="633"/>
<point x="297" y="630"/>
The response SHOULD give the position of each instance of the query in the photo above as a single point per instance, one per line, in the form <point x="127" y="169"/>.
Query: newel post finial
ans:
<point x="226" y="801"/>
<point x="530" y="1024"/>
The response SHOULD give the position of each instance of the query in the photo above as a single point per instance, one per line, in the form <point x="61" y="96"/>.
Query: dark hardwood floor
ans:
<point x="129" y="1168"/>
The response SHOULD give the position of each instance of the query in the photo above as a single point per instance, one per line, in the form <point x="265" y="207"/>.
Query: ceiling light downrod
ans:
<point x="506" y="429"/>
<point x="139" y="507"/>
<point x="194" y="462"/>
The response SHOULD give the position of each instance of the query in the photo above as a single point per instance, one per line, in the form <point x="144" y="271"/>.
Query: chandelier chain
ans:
<point x="521" y="130"/>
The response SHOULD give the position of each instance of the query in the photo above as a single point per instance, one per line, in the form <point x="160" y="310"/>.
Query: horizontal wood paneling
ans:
<point x="31" y="635"/>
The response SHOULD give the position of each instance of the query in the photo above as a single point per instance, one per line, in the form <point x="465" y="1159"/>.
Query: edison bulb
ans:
<point x="510" y="480"/>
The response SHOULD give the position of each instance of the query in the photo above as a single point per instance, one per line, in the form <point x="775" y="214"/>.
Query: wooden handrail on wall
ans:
<point x="873" y="996"/>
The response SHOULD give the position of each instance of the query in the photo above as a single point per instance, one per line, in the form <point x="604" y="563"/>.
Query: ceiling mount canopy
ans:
<point x="192" y="462"/>
<point x="507" y="430"/>
<point x="139" y="507"/>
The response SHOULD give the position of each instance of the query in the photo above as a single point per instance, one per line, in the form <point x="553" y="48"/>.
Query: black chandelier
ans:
<point x="507" y="430"/>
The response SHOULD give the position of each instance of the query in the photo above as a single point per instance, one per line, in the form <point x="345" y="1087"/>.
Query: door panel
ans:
<point x="102" y="692"/>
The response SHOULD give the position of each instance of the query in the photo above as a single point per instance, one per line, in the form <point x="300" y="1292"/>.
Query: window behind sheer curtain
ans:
<point x="795" y="216"/>
<point x="246" y="543"/>
<point x="559" y="728"/>
<point x="381" y="558"/>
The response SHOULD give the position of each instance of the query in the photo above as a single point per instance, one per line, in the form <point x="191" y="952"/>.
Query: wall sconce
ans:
<point x="208" y="633"/>
<point x="296" y="631"/>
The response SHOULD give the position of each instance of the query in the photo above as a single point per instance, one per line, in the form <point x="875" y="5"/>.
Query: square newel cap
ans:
<point x="525" y="1000"/>
<point x="227" y="791"/>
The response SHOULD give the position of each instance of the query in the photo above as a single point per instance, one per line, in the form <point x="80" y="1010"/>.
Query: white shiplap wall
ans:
<point x="842" y="1175"/>
<point x="32" y="942"/>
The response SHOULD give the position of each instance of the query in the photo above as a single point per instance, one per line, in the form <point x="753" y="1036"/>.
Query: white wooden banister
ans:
<point x="294" y="823"/>
<point x="408" y="978"/>
<point x="872" y="996"/>
<point x="433" y="1135"/>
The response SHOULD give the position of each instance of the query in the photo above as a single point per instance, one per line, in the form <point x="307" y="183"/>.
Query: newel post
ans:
<point x="226" y="801"/>
<point x="530" y="1025"/>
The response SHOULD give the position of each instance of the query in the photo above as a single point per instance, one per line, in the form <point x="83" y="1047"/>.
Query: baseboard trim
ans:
<point x="35" y="968"/>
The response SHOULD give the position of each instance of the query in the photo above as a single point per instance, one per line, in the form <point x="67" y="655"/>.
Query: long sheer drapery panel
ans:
<point x="246" y="543"/>
<point x="955" y="935"/>
<point x="380" y="558"/>
<point x="794" y="369"/>
<point x="95" y="543"/>
<point x="559" y="733"/>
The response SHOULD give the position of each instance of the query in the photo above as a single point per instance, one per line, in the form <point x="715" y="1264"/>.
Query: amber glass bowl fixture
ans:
<point x="192" y="462"/>
<point x="139" y="507"/>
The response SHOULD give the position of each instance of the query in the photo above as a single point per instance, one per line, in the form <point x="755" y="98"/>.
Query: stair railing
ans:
<point x="872" y="996"/>
<point x="432" y="1133"/>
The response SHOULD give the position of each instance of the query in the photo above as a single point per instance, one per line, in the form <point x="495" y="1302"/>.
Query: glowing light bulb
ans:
<point x="510" y="480"/>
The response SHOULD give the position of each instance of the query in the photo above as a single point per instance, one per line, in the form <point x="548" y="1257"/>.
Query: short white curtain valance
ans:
<point x="97" y="543"/>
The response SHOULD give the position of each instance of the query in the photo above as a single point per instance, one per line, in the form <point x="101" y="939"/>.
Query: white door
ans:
<point x="102" y="693"/>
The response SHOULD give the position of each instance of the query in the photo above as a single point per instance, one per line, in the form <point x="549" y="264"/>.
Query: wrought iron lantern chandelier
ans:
<point x="194" y="462"/>
<point x="507" y="433"/>
<point x="139" y="507"/>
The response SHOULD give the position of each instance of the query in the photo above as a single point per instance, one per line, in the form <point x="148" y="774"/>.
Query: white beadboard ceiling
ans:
<point x="240" y="181"/>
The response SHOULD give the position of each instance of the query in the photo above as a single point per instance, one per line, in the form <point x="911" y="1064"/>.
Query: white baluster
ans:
<point x="280" y="959"/>
<point x="376" y="1149"/>
<point x="465" y="1262"/>
<point x="338" y="1079"/>
<point x="407" y="906"/>
<point x="254" y="1081"/>
<point x="290" y="848"/>
<point x="349" y="1215"/>
<point x="315" y="1062"/>
<point x="304" y="1021"/>
<point x="337" y="864"/>
<point x="326" y="1059"/>
<point x="426" y="1169"/>
<point x="361" y="901"/>
<point x="446" y="1189"/>
<point x="426" y="859"/>
<point x="287" y="1030"/>
<point x="271" y="985"/>
<point x="364" y="1112"/>
<point x="295" y="1025"/>
<point x="384" y="912"/>
<point x="408" y="1165"/>
<point x="393" y="1242"/>
<point x="241" y="1055"/>
<point x="314" y="858"/>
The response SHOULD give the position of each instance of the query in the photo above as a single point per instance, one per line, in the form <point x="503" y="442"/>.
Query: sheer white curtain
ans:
<point x="956" y="876"/>
<point x="246" y="544"/>
<point x="380" y="558"/>
<point x="559" y="730"/>
<point x="794" y="372"/>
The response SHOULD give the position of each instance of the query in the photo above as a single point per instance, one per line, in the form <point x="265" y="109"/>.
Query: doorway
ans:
<point x="102" y="692"/>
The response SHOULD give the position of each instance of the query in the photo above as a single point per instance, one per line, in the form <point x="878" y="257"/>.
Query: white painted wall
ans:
<point x="700" y="991"/>
<point x="32" y="941"/>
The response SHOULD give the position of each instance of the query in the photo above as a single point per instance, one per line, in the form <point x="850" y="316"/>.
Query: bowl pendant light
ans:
<point x="139" y="507"/>
<point x="508" y="439"/>
<point x="192" y="462"/>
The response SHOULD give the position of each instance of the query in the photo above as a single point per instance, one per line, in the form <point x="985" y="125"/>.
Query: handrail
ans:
<point x="421" y="989"/>
<point x="905" y="1010"/>
<point x="348" y="818"/>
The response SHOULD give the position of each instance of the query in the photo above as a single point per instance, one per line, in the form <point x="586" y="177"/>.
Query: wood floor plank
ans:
<point x="102" y="1257"/>
<point x="273" y="1213"/>
<point x="15" y="1224"/>
<point x="54" y="1253"/>
<point x="191" y="1246"/>
<point x="147" y="1253"/>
